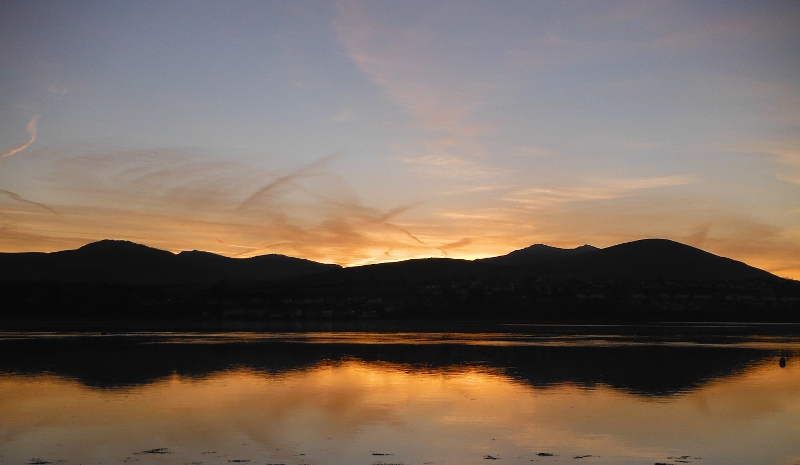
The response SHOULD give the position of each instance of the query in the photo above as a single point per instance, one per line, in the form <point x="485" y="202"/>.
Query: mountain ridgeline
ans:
<point x="125" y="262"/>
<point x="645" y="280"/>
<point x="646" y="259"/>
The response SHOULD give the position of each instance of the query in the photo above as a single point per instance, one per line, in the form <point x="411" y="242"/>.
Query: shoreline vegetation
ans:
<point x="478" y="328"/>
<point x="644" y="281"/>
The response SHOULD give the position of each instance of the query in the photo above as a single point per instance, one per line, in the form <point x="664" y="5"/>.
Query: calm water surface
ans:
<point x="411" y="398"/>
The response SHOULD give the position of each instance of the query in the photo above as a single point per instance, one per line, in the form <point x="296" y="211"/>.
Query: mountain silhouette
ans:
<point x="643" y="260"/>
<point x="646" y="259"/>
<point x="653" y="258"/>
<point x="129" y="263"/>
<point x="538" y="253"/>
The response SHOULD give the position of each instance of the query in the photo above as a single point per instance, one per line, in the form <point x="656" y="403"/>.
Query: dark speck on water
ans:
<point x="490" y="457"/>
<point x="544" y="454"/>
<point x="160" y="450"/>
<point x="38" y="462"/>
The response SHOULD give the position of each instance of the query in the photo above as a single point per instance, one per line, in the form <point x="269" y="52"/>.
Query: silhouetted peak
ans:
<point x="197" y="254"/>
<point x="111" y="245"/>
<point x="537" y="248"/>
<point x="544" y="248"/>
<point x="106" y="243"/>
<point x="651" y="258"/>
<point x="657" y="246"/>
<point x="539" y="253"/>
<point x="202" y="254"/>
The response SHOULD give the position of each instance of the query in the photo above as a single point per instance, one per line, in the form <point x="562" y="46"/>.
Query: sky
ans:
<point x="355" y="133"/>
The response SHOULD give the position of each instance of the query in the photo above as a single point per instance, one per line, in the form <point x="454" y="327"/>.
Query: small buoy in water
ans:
<point x="782" y="362"/>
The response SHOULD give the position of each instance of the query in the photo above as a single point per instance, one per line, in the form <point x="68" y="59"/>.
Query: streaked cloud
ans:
<point x="32" y="131"/>
<point x="181" y="200"/>
<point x="594" y="188"/>
<point x="462" y="128"/>
<point x="448" y="166"/>
<point x="273" y="185"/>
<point x="19" y="198"/>
<point x="789" y="163"/>
<point x="409" y="62"/>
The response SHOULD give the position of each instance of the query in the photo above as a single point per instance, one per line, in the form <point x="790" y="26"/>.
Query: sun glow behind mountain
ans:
<point x="358" y="133"/>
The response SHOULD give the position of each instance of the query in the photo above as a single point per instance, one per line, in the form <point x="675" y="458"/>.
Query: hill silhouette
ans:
<point x="539" y="253"/>
<point x="646" y="259"/>
<point x="129" y="263"/>
<point x="649" y="279"/>
<point x="654" y="258"/>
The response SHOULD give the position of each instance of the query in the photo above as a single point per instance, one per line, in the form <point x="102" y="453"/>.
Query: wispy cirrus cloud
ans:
<point x="400" y="58"/>
<point x="448" y="166"/>
<point x="32" y="131"/>
<point x="788" y="158"/>
<point x="19" y="198"/>
<point x="13" y="195"/>
<point x="267" y="190"/>
<point x="180" y="200"/>
<point x="595" y="188"/>
<point x="782" y="154"/>
<point x="413" y="64"/>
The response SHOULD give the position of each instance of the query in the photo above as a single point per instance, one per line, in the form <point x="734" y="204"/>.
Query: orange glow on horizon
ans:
<point x="185" y="235"/>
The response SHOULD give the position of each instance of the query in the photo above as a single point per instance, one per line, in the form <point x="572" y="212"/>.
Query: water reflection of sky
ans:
<point x="343" y="412"/>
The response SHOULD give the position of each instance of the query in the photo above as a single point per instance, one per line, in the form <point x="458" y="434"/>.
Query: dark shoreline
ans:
<point x="655" y="328"/>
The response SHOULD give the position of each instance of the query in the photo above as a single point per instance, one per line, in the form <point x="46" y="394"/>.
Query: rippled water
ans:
<point x="411" y="398"/>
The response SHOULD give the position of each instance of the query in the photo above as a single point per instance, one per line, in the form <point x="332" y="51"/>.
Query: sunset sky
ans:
<point x="356" y="133"/>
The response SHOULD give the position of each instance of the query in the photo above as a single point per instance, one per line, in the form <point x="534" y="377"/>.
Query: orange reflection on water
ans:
<point x="347" y="411"/>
